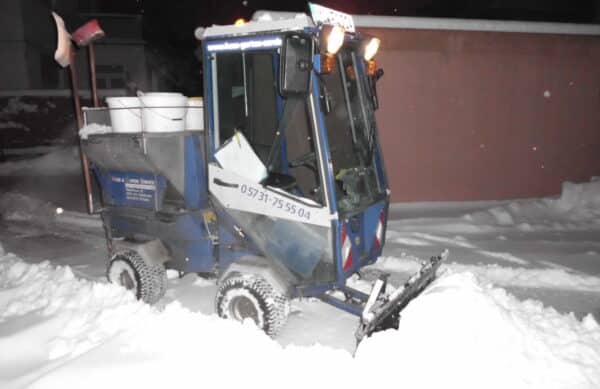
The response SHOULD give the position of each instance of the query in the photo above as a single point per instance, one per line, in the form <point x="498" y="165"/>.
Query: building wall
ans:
<point x="118" y="65"/>
<point x="13" y="67"/>
<point x="29" y="40"/>
<point x="13" y="72"/>
<point x="11" y="24"/>
<point x="121" y="56"/>
<point x="27" y="45"/>
<point x="487" y="115"/>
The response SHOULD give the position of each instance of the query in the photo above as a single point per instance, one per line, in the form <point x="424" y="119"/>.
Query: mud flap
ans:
<point x="383" y="312"/>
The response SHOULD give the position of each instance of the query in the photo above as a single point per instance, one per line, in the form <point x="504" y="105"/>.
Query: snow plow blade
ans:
<point x="383" y="312"/>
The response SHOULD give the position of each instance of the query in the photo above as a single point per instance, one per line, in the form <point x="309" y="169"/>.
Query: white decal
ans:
<point x="139" y="189"/>
<point x="236" y="192"/>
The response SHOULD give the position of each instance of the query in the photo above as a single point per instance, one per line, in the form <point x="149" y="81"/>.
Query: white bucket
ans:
<point x="125" y="114"/>
<point x="194" y="120"/>
<point x="163" y="112"/>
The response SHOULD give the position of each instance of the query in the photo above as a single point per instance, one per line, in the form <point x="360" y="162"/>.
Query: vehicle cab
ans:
<point x="292" y="142"/>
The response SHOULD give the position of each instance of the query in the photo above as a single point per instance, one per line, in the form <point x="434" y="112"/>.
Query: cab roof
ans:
<point x="261" y="22"/>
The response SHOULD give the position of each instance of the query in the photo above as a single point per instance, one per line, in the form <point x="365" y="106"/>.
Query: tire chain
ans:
<point x="275" y="305"/>
<point x="151" y="279"/>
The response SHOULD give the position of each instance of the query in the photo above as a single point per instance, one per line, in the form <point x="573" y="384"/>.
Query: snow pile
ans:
<point x="19" y="207"/>
<point x="11" y="124"/>
<point x="62" y="160"/>
<point x="15" y="106"/>
<point x="463" y="334"/>
<point x="583" y="200"/>
<point x="63" y="332"/>
<point x="81" y="314"/>
<point x="578" y="204"/>
<point x="549" y="278"/>
<point x="93" y="129"/>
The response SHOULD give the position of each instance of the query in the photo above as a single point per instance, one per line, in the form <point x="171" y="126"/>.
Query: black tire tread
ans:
<point x="273" y="304"/>
<point x="151" y="279"/>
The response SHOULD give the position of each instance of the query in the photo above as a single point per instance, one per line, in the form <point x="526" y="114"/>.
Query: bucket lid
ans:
<point x="163" y="94"/>
<point x="125" y="98"/>
<point x="122" y="102"/>
<point x="195" y="102"/>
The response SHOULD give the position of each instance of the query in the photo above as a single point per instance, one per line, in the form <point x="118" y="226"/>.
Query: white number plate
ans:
<point x="326" y="15"/>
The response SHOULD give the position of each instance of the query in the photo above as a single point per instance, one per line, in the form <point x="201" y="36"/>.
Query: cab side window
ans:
<point x="247" y="98"/>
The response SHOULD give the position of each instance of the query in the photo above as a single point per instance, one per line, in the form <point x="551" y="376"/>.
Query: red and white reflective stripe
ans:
<point x="379" y="232"/>
<point x="346" y="249"/>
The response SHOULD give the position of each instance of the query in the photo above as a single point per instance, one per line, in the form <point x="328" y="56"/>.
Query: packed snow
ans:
<point x="11" y="124"/>
<point x="17" y="207"/>
<point x="15" y="105"/>
<point x="58" y="161"/>
<point x="60" y="331"/>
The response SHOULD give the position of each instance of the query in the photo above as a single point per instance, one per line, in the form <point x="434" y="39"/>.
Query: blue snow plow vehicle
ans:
<point x="281" y="194"/>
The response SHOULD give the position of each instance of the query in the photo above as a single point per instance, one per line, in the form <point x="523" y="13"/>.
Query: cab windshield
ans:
<point x="351" y="133"/>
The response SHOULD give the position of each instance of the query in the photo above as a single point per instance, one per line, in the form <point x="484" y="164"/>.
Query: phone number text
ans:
<point x="275" y="201"/>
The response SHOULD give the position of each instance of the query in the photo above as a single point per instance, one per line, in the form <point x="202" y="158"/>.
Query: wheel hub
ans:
<point x="126" y="281"/>
<point x="243" y="308"/>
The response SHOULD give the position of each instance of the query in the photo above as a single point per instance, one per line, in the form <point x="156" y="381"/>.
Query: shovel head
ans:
<point x="87" y="33"/>
<point x="383" y="312"/>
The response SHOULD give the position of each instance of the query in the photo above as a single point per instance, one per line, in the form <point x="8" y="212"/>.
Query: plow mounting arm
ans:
<point x="383" y="312"/>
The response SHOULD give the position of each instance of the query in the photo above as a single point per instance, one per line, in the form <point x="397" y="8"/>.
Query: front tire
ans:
<point x="147" y="281"/>
<point x="241" y="297"/>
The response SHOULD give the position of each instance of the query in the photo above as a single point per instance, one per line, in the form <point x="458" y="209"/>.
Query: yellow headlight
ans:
<point x="371" y="48"/>
<point x="335" y="39"/>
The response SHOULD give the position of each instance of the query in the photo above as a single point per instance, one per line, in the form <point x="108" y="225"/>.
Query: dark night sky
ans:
<point x="169" y="25"/>
<point x="172" y="22"/>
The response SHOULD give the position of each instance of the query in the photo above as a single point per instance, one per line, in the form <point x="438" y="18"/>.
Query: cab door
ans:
<point x="255" y="136"/>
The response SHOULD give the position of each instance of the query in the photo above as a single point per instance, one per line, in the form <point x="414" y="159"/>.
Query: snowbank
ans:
<point x="549" y="278"/>
<point x="19" y="207"/>
<point x="62" y="160"/>
<point x="16" y="206"/>
<point x="579" y="197"/>
<point x="15" y="105"/>
<point x="464" y="334"/>
<point x="12" y="124"/>
<point x="578" y="204"/>
<point x="60" y="331"/>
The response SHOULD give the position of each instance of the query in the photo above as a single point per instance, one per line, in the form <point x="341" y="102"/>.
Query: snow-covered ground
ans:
<point x="58" y="330"/>
<point x="54" y="161"/>
<point x="497" y="317"/>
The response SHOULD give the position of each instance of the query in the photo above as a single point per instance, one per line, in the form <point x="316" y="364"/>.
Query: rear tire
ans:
<point x="147" y="281"/>
<point x="241" y="297"/>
